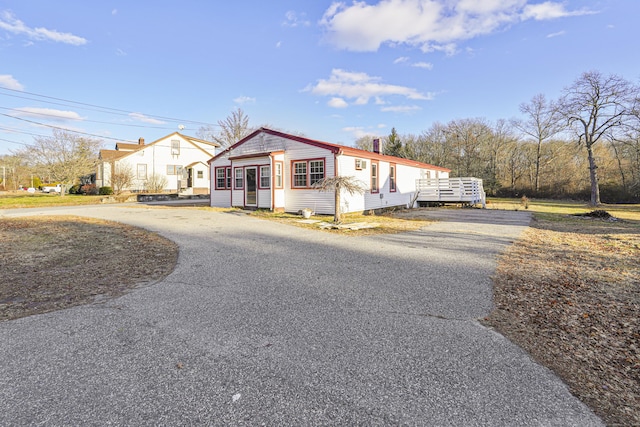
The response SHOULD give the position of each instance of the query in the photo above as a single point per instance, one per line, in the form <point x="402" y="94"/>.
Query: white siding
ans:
<point x="156" y="157"/>
<point x="253" y="153"/>
<point x="297" y="199"/>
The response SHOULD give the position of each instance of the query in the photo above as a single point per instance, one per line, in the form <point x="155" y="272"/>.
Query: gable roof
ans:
<point x="124" y="149"/>
<point x="334" y="148"/>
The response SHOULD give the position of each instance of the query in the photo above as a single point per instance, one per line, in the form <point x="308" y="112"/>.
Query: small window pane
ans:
<point x="278" y="175"/>
<point x="220" y="179"/>
<point x="175" y="147"/>
<point x="239" y="181"/>
<point x="316" y="169"/>
<point x="142" y="172"/>
<point x="265" y="177"/>
<point x="300" y="174"/>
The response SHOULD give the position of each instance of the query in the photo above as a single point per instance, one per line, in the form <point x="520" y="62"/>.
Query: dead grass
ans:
<point x="569" y="293"/>
<point x="51" y="263"/>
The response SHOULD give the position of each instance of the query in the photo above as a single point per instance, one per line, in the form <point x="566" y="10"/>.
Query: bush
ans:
<point x="89" y="189"/>
<point x="75" y="189"/>
<point x="105" y="191"/>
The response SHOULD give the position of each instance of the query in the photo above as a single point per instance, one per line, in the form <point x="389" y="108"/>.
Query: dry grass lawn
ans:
<point x="569" y="293"/>
<point x="51" y="263"/>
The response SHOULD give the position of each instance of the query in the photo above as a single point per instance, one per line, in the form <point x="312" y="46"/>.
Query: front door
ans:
<point x="250" y="189"/>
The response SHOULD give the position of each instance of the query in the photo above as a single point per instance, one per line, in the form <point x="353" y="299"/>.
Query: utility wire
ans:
<point x="101" y="108"/>
<point x="83" y="120"/>
<point x="67" y="130"/>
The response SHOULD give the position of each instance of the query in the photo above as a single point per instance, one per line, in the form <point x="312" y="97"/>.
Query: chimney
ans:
<point x="141" y="141"/>
<point x="376" y="145"/>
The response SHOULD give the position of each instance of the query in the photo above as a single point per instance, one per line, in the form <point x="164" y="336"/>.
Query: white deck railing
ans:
<point x="451" y="190"/>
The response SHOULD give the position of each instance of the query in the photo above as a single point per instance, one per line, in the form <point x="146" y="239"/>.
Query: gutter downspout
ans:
<point x="273" y="181"/>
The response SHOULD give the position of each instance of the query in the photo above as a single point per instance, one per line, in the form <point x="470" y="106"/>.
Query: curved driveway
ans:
<point x="267" y="324"/>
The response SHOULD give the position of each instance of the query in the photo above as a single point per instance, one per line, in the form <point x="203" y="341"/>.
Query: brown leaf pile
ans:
<point x="569" y="293"/>
<point x="51" y="263"/>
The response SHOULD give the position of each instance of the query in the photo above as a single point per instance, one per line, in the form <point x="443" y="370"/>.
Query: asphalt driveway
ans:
<point x="267" y="324"/>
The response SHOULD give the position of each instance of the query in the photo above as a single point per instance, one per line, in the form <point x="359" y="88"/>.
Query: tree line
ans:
<point x="584" y="143"/>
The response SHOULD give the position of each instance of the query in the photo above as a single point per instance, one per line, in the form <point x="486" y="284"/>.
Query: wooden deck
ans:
<point x="451" y="190"/>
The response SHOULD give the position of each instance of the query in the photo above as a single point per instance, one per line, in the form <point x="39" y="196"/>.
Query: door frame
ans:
<point x="246" y="186"/>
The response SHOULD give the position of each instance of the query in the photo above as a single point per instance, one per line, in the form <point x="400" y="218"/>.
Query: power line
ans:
<point x="82" y="120"/>
<point x="100" y="108"/>
<point x="66" y="130"/>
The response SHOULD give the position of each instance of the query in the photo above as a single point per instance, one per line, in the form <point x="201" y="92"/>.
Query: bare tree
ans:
<point x="542" y="122"/>
<point x="337" y="184"/>
<point x="65" y="156"/>
<point x="232" y="129"/>
<point x="364" y="143"/>
<point x="593" y="106"/>
<point x="156" y="183"/>
<point x="122" y="177"/>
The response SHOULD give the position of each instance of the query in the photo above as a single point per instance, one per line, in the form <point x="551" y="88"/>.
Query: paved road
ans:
<point x="267" y="324"/>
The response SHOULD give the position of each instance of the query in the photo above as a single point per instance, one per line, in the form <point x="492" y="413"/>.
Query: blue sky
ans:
<point x="332" y="71"/>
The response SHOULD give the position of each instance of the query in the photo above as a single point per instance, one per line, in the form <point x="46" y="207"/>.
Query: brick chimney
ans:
<point x="141" y="141"/>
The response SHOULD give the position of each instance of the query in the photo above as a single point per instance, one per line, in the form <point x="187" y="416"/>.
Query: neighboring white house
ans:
<point x="273" y="170"/>
<point x="180" y="159"/>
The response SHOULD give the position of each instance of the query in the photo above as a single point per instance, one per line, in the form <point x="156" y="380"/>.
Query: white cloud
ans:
<point x="278" y="44"/>
<point x="244" y="100"/>
<point x="431" y="25"/>
<point x="13" y="25"/>
<point x="114" y="12"/>
<point x="401" y="60"/>
<point x="7" y="81"/>
<point x="425" y="65"/>
<point x="295" y="19"/>
<point x="337" y="103"/>
<point x="145" y="119"/>
<point x="359" y="88"/>
<point x="559" y="33"/>
<point x="120" y="52"/>
<point x="400" y="109"/>
<point x="48" y="113"/>
<point x="359" y="132"/>
<point x="550" y="10"/>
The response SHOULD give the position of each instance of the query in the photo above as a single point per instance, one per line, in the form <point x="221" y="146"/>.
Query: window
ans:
<point x="141" y="171"/>
<point x="175" y="147"/>
<point x="220" y="179"/>
<point x="174" y="170"/>
<point x="316" y="171"/>
<point x="392" y="178"/>
<point x="278" y="174"/>
<point x="307" y="172"/>
<point x="361" y="164"/>
<point x="239" y="181"/>
<point x="229" y="178"/>
<point x="265" y="176"/>
<point x="374" y="178"/>
<point x="200" y="174"/>
<point x="300" y="174"/>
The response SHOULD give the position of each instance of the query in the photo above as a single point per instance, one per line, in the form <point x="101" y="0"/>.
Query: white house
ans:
<point x="273" y="170"/>
<point x="180" y="159"/>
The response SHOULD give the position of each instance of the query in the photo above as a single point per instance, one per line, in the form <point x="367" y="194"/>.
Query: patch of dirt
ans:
<point x="56" y="262"/>
<point x="569" y="294"/>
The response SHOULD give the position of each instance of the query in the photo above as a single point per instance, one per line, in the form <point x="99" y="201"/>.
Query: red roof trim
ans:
<point x="334" y="148"/>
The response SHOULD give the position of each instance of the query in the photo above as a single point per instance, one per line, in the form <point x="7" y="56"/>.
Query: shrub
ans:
<point x="105" y="191"/>
<point x="89" y="189"/>
<point x="75" y="189"/>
